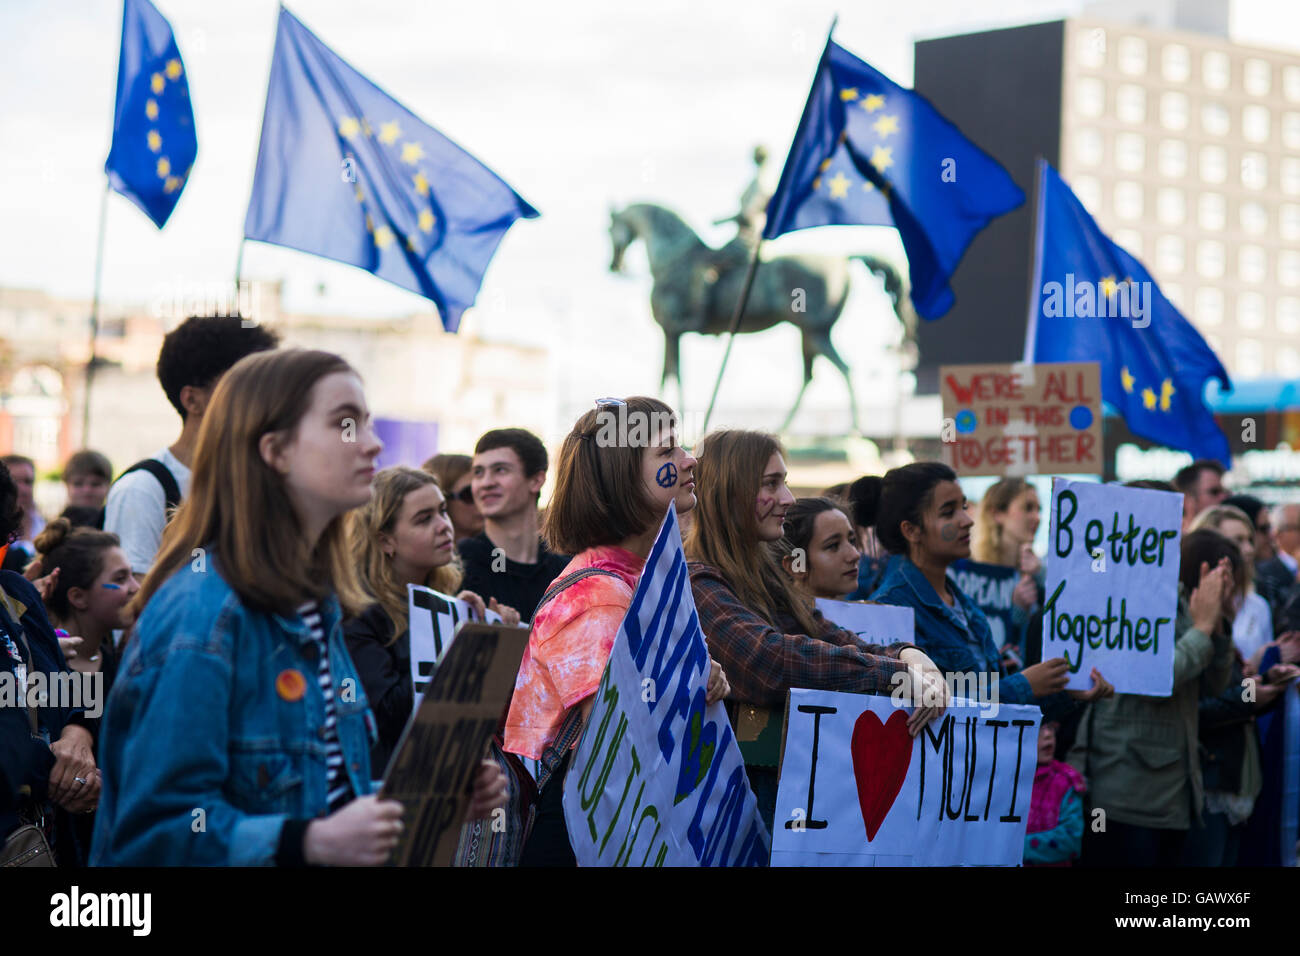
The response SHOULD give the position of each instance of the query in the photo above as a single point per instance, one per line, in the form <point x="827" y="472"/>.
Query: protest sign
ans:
<point x="1022" y="419"/>
<point x="432" y="618"/>
<point x="657" y="778"/>
<point x="990" y="586"/>
<point x="857" y="790"/>
<point x="1112" y="585"/>
<point x="440" y="749"/>
<point x="874" y="623"/>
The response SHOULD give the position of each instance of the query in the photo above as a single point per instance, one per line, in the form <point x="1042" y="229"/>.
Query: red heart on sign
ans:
<point x="881" y="756"/>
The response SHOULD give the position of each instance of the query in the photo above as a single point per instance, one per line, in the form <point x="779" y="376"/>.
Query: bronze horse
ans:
<point x="696" y="289"/>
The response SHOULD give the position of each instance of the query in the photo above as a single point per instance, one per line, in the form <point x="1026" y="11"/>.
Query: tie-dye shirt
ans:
<point x="569" y="646"/>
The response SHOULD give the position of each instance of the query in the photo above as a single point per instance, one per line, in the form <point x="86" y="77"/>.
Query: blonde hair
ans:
<point x="988" y="533"/>
<point x="239" y="505"/>
<point x="379" y="516"/>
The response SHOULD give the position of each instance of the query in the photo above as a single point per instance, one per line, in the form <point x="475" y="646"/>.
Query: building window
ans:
<point x="1211" y="211"/>
<point x="1250" y="358"/>
<point x="1254" y="123"/>
<point x="1257" y="76"/>
<point x="1130" y="152"/>
<point x="1176" y="63"/>
<point x="1254" y="218"/>
<point x="1288" y="361"/>
<point x="1088" y="189"/>
<point x="1128" y="200"/>
<point x="1291" y="177"/>
<point x="1173" y="111"/>
<point x="1130" y="240"/>
<point x="1209" y="259"/>
<point x="1288" y="315"/>
<point x="1090" y="46"/>
<point x="1209" y="306"/>
<point x="1091" y="94"/>
<point x="1214" y="164"/>
<point x="1132" y="53"/>
<point x="1289" y="218"/>
<point x="1172" y="157"/>
<point x="1088" y="147"/>
<point x="1291" y="83"/>
<point x="1214" y="119"/>
<point x="1174" y="293"/>
<point x="1250" y="310"/>
<point x="1171" y="207"/>
<point x="1254" y="170"/>
<point x="1169" y="256"/>
<point x="1216" y="70"/>
<point x="1288" y="269"/>
<point x="1215" y="343"/>
<point x="1252" y="265"/>
<point x="1291" y="130"/>
<point x="1131" y="104"/>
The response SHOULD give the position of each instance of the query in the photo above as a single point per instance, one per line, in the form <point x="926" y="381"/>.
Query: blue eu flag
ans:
<point x="346" y="172"/>
<point x="153" y="123"/>
<point x="1093" y="302"/>
<point x="869" y="152"/>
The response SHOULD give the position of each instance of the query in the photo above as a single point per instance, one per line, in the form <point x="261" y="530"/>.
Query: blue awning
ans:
<point x="1255" y="395"/>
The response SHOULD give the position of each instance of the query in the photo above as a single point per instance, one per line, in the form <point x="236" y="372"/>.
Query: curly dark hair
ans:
<point x="11" y="515"/>
<point x="202" y="348"/>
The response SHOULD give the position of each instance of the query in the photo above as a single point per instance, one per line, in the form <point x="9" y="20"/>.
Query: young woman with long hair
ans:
<point x="1009" y="517"/>
<point x="236" y="734"/>
<point x="764" y="631"/>
<point x="610" y="499"/>
<point x="818" y="548"/>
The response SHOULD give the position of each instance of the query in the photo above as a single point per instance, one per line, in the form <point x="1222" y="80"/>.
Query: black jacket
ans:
<point x="1224" y="722"/>
<point x="1274" y="581"/>
<point x="384" y="666"/>
<point x="513" y="584"/>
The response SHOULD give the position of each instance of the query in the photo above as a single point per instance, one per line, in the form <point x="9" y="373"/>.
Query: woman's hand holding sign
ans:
<point x="928" y="689"/>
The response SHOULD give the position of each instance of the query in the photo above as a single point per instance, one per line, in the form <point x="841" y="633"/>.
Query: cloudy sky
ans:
<point x="579" y="104"/>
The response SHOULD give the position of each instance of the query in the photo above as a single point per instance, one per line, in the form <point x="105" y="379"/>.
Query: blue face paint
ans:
<point x="110" y="586"/>
<point x="666" y="476"/>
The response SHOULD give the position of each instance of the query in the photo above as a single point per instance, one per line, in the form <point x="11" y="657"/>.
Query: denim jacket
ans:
<point x="208" y="744"/>
<point x="939" y="631"/>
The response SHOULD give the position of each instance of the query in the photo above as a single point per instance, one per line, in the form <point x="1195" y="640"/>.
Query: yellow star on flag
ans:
<point x="173" y="69"/>
<point x="868" y="186"/>
<point x="849" y="95"/>
<point x="172" y="184"/>
<point x="882" y="157"/>
<point x="1166" y="390"/>
<point x="1108" y="286"/>
<point x="383" y="237"/>
<point x="411" y="246"/>
<point x="839" y="186"/>
<point x="154" y="140"/>
<point x="886" y="125"/>
<point x="361" y="197"/>
<point x="1126" y="379"/>
<point x="421" y="184"/>
<point x="1148" y="398"/>
<point x="349" y="127"/>
<point x="426" y="220"/>
<point x="156" y="83"/>
<point x="826" y="164"/>
<point x="365" y="127"/>
<point x="873" y="102"/>
<point x="151" y="109"/>
<point x="388" y="133"/>
<point x="370" y="223"/>
<point x="817" y="184"/>
<point x="164" y="167"/>
<point x="412" y="153"/>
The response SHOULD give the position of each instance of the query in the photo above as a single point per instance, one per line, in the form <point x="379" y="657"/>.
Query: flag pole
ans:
<point x="94" y="317"/>
<point x="239" y="266"/>
<point x="736" y="316"/>
<point x="1035" y="262"/>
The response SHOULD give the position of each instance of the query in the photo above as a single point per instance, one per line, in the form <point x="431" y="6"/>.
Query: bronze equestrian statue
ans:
<point x="696" y="289"/>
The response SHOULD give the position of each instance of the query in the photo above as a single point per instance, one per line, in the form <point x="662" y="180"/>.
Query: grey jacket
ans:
<point x="1139" y="754"/>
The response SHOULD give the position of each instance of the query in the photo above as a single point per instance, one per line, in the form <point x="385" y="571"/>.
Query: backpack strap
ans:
<point x="163" y="475"/>
<point x="571" y="729"/>
<point x="16" y="627"/>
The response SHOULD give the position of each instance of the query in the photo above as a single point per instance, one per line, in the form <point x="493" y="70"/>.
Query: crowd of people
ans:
<point x="230" y="594"/>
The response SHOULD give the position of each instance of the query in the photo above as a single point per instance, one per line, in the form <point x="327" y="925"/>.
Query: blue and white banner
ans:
<point x="657" y="778"/>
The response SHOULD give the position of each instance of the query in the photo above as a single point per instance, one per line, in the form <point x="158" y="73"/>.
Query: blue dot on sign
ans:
<point x="965" y="421"/>
<point x="1081" y="417"/>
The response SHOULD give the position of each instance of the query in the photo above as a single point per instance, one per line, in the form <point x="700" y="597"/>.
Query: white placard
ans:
<point x="433" y="618"/>
<point x="874" y="623"/>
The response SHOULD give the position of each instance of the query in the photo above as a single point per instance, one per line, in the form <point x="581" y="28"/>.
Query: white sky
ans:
<point x="577" y="103"/>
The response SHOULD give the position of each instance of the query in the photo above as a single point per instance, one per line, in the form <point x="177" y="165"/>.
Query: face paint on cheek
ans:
<point x="763" y="510"/>
<point x="666" y="476"/>
<point x="948" y="532"/>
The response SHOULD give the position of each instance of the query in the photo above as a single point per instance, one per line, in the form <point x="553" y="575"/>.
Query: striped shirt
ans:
<point x="338" y="786"/>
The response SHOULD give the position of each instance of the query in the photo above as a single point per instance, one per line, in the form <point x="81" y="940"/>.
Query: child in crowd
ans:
<point x="86" y="477"/>
<point x="1055" y="829"/>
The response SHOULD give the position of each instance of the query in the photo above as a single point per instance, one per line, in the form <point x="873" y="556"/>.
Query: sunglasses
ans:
<point x="465" y="496"/>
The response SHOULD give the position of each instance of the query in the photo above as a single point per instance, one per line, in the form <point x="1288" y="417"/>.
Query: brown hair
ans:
<point x="239" y="506"/>
<point x="379" y="516"/>
<point x="78" y="555"/>
<point x="724" y="532"/>
<point x="800" y="520"/>
<point x="88" y="462"/>
<point x="448" y="469"/>
<point x="988" y="533"/>
<point x="600" y="497"/>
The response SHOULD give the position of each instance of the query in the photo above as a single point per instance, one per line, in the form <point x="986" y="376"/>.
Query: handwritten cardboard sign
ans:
<point x="441" y="747"/>
<point x="433" y="618"/>
<point x="1022" y="419"/>
<point x="657" y="778"/>
<point x="874" y="623"/>
<point x="857" y="790"/>
<point x="1112" y="585"/>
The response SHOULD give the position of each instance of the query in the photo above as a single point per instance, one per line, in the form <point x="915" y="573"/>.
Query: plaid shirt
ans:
<point x="762" y="663"/>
